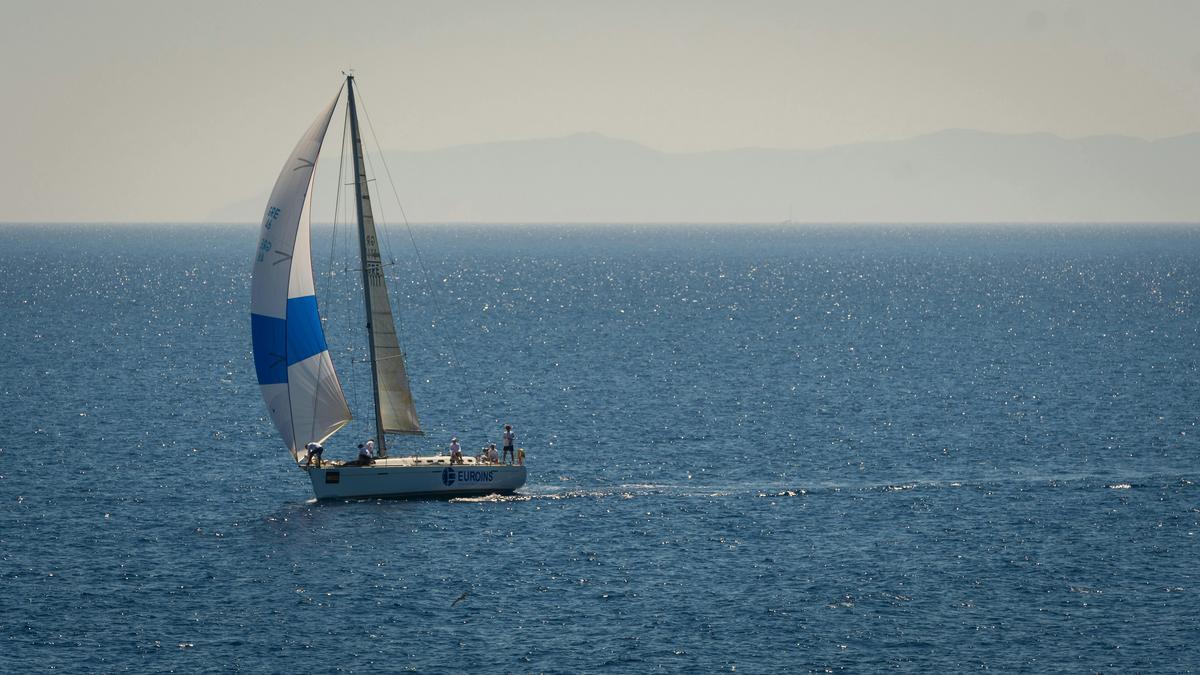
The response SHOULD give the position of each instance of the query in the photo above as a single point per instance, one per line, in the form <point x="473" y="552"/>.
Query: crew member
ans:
<point x="364" y="455"/>
<point x="509" y="437"/>
<point x="314" y="451"/>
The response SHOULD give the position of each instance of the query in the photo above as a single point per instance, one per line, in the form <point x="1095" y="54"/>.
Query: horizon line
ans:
<point x="801" y="148"/>
<point x="648" y="223"/>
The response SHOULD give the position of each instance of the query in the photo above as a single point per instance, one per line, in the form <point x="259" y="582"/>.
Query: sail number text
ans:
<point x="269" y="219"/>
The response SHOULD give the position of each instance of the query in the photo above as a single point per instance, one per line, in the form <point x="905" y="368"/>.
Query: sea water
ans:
<point x="754" y="449"/>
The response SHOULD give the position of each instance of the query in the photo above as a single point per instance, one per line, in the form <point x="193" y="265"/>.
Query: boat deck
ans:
<point x="410" y="461"/>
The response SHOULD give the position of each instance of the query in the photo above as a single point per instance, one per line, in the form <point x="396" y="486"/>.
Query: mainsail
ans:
<point x="394" y="409"/>
<point x="291" y="357"/>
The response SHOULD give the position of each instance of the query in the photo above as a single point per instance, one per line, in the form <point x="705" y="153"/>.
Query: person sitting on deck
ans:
<point x="493" y="457"/>
<point x="314" y="451"/>
<point x="455" y="451"/>
<point x="364" y="455"/>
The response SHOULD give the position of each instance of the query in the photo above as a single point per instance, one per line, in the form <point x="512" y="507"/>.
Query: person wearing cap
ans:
<point x="492" y="457"/>
<point x="364" y="455"/>
<point x="455" y="451"/>
<point x="509" y="437"/>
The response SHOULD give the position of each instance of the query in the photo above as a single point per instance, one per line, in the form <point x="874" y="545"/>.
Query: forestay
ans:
<point x="291" y="357"/>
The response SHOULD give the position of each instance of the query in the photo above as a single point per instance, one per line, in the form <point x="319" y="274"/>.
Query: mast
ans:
<point x="394" y="409"/>
<point x="368" y="249"/>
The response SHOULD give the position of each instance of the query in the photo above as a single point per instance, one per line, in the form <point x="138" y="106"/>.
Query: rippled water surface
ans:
<point x="753" y="449"/>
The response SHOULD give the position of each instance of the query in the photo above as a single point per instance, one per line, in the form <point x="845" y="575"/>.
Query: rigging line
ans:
<point x="333" y="243"/>
<point x="306" y="212"/>
<point x="321" y="374"/>
<point x="420" y="261"/>
<point x="338" y="205"/>
<point x="333" y="240"/>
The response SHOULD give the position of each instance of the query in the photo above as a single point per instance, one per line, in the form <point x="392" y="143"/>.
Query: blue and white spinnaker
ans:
<point x="298" y="381"/>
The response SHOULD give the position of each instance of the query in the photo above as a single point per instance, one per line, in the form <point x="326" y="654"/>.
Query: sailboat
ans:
<point x="291" y="358"/>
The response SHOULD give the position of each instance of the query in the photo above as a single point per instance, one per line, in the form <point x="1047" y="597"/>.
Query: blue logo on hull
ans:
<point x="450" y="476"/>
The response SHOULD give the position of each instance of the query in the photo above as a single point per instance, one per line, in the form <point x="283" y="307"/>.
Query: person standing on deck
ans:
<point x="455" y="452"/>
<point x="509" y="437"/>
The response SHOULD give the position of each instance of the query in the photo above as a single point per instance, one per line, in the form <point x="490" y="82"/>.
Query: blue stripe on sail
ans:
<point x="270" y="348"/>
<point x="279" y="343"/>
<point x="304" y="335"/>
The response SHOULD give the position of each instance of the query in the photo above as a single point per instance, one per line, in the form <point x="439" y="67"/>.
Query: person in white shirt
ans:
<point x="455" y="452"/>
<point x="370" y="447"/>
<point x="492" y="456"/>
<point x="364" y="455"/>
<point x="314" y="451"/>
<point x="509" y="437"/>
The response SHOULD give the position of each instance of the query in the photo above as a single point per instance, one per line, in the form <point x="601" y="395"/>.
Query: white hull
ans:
<point x="414" y="477"/>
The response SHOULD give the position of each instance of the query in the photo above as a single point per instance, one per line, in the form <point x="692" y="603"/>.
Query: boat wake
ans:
<point x="776" y="490"/>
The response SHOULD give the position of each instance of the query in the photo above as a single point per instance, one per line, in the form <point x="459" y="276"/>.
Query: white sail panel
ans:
<point x="396" y="406"/>
<point x="300" y="281"/>
<point x="316" y="399"/>
<point x="397" y="412"/>
<point x="279" y="407"/>
<point x="281" y="223"/>
<point x="291" y="357"/>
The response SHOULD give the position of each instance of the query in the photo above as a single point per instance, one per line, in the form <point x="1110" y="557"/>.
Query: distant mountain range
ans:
<point x="949" y="176"/>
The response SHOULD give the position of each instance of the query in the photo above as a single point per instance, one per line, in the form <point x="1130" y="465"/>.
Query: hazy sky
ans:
<point x="164" y="111"/>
